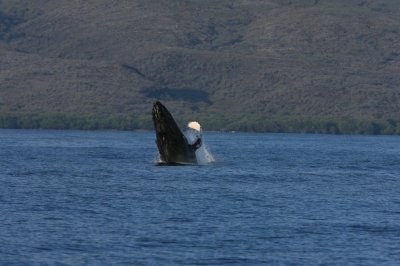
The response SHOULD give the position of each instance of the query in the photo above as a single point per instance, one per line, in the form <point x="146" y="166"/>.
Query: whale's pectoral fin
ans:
<point x="196" y="144"/>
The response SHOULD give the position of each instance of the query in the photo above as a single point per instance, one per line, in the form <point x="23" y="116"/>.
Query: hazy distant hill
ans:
<point x="254" y="61"/>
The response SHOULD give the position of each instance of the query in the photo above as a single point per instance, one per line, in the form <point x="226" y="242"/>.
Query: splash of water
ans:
<point x="203" y="154"/>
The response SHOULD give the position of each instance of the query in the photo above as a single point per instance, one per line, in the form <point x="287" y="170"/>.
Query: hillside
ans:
<point x="233" y="64"/>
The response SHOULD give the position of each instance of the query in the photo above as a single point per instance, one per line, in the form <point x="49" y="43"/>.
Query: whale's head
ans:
<point x="171" y="142"/>
<point x="163" y="121"/>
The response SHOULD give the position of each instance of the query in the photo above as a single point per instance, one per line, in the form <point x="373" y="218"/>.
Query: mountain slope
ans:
<point x="237" y="59"/>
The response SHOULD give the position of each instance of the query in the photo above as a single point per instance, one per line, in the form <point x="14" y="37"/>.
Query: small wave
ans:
<point x="378" y="229"/>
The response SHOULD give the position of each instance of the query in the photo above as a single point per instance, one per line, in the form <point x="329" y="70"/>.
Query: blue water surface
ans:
<point x="98" y="198"/>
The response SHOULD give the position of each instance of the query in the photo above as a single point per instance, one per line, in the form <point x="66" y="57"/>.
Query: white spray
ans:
<point x="194" y="132"/>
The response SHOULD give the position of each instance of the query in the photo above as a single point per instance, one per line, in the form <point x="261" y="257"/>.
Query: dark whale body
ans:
<point x="171" y="142"/>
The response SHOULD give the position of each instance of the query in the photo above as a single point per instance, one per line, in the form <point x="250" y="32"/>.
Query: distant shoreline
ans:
<point x="283" y="124"/>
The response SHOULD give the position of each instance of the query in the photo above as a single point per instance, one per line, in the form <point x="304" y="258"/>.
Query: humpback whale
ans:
<point x="172" y="144"/>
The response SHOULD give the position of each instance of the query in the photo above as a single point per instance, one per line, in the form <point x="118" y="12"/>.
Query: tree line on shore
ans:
<point x="283" y="124"/>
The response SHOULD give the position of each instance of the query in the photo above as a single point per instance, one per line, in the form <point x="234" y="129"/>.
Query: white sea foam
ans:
<point x="203" y="154"/>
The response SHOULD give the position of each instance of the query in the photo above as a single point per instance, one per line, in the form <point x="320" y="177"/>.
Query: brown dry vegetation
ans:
<point x="235" y="59"/>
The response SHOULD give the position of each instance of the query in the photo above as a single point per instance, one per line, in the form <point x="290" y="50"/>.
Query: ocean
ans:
<point x="99" y="198"/>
